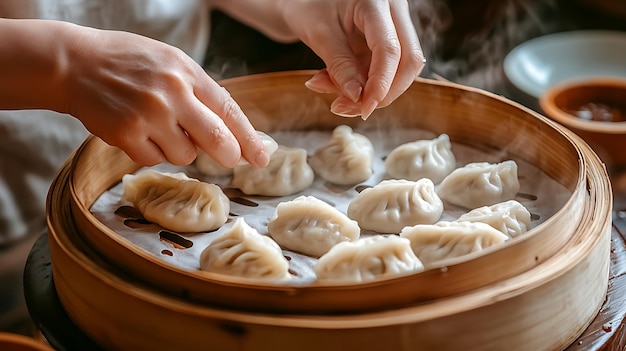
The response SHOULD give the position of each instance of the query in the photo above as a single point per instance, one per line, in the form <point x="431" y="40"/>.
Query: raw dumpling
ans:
<point x="509" y="217"/>
<point x="311" y="226"/>
<point x="480" y="184"/>
<point x="431" y="159"/>
<point x="366" y="259"/>
<point x="208" y="166"/>
<point x="396" y="203"/>
<point x="243" y="252"/>
<point x="346" y="159"/>
<point x="177" y="202"/>
<point x="287" y="173"/>
<point x="433" y="243"/>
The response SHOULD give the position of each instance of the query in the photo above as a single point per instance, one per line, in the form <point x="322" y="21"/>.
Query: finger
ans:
<point x="144" y="152"/>
<point x="322" y="83"/>
<point x="344" y="107"/>
<point x="175" y="144"/>
<point x="225" y="127"/>
<point x="252" y="146"/>
<point x="342" y="65"/>
<point x="208" y="131"/>
<point x="134" y="140"/>
<point x="412" y="58"/>
<point x="382" y="39"/>
<point x="341" y="106"/>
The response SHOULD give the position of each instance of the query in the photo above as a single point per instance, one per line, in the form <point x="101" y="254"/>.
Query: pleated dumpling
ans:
<point x="367" y="259"/>
<point x="175" y="201"/>
<point x="208" y="166"/>
<point x="242" y="251"/>
<point x="287" y="173"/>
<point x="311" y="226"/>
<point x="480" y="184"/>
<point x="434" y="243"/>
<point x="346" y="159"/>
<point x="431" y="159"/>
<point x="396" y="203"/>
<point x="509" y="217"/>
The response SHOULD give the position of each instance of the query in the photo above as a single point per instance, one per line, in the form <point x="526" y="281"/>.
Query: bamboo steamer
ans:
<point x="271" y="101"/>
<point x="536" y="293"/>
<point x="18" y="342"/>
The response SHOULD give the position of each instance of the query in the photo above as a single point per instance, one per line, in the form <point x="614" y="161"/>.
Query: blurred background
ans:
<point x="464" y="41"/>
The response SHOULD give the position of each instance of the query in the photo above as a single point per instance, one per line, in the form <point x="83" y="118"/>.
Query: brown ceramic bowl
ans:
<point x="595" y="109"/>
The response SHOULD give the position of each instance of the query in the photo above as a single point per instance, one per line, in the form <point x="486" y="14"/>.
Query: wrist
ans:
<point x="267" y="16"/>
<point x="60" y="70"/>
<point x="33" y="64"/>
<point x="74" y="52"/>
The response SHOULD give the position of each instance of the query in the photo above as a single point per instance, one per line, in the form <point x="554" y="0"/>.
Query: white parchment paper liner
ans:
<point x="550" y="197"/>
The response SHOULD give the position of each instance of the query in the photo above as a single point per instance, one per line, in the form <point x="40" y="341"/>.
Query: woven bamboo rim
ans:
<point x="18" y="342"/>
<point x="544" y="308"/>
<point x="467" y="115"/>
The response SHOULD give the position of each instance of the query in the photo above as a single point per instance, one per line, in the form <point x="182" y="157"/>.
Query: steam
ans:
<point x="475" y="57"/>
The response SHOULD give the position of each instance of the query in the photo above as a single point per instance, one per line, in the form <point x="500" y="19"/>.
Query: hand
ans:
<point x="154" y="102"/>
<point x="370" y="48"/>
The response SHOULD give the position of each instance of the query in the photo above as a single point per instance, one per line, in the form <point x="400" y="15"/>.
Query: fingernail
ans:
<point x="262" y="159"/>
<point x="317" y="85"/>
<point x="367" y="108"/>
<point x="342" y="109"/>
<point x="353" y="90"/>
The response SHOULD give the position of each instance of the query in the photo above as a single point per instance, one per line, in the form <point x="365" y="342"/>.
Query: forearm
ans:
<point x="33" y="64"/>
<point x="263" y="15"/>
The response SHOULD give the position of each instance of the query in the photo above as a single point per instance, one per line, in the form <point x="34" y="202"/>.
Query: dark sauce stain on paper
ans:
<point x="175" y="240"/>
<point x="129" y="212"/>
<point x="137" y="223"/>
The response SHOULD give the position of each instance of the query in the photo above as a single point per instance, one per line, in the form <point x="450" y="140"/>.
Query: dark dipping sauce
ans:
<point x="599" y="111"/>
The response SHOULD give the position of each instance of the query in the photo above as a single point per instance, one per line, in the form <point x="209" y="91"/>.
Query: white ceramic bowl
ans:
<point x="538" y="64"/>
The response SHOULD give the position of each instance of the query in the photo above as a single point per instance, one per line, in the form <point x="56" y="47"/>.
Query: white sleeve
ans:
<point x="181" y="23"/>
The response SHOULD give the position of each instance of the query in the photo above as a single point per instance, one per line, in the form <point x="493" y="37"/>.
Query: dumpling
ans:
<point x="396" y="203"/>
<point x="509" y="217"/>
<point x="480" y="184"/>
<point x="431" y="159"/>
<point x="175" y="201"/>
<point x="346" y="159"/>
<point x="434" y="243"/>
<point x="287" y="173"/>
<point x="208" y="166"/>
<point x="311" y="226"/>
<point x="243" y="252"/>
<point x="374" y="257"/>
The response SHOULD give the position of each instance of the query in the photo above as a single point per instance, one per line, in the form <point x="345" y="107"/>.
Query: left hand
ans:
<point x="370" y="47"/>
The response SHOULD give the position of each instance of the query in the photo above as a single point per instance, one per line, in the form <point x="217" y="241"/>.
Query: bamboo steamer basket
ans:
<point x="18" y="342"/>
<point x="538" y="292"/>
<point x="271" y="101"/>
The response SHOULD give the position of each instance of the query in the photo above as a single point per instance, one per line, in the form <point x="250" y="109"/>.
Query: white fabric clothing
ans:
<point x="182" y="23"/>
<point x="35" y="143"/>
